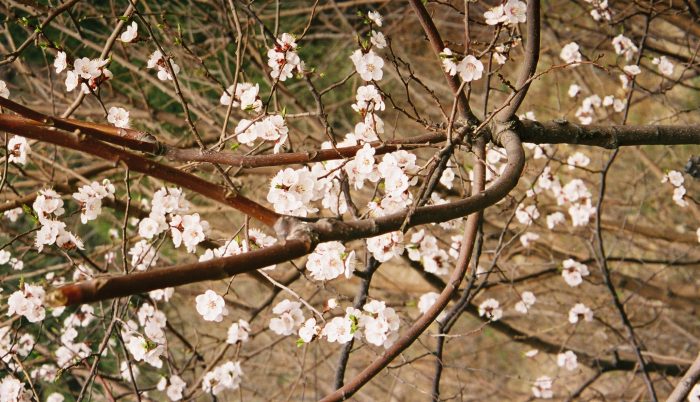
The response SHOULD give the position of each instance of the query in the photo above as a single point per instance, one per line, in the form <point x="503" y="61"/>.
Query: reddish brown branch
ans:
<point x="32" y="129"/>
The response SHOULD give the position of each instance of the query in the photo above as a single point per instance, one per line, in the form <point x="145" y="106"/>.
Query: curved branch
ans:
<point x="691" y="377"/>
<point x="529" y="66"/>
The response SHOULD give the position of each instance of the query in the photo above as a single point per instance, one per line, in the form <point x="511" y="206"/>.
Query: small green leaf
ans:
<point x="300" y="342"/>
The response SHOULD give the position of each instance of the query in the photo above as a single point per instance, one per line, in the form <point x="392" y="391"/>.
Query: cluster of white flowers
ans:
<point x="469" y="68"/>
<point x="624" y="47"/>
<point x="243" y="95"/>
<point x="491" y="309"/>
<point x="386" y="246"/>
<point x="238" y="332"/>
<point x="118" y="116"/>
<point x="580" y="310"/>
<point x="368" y="65"/>
<point x="526" y="214"/>
<point x="143" y="255"/>
<point x="13" y="214"/>
<point x="7" y="258"/>
<point x="283" y="58"/>
<point x="12" y="347"/>
<point x="368" y="100"/>
<point x="527" y="300"/>
<point x="424" y="249"/>
<point x="48" y="205"/>
<point x="573" y="272"/>
<point x="271" y="128"/>
<point x="542" y="388"/>
<point x="90" y="199"/>
<point x="510" y="13"/>
<point x="664" y="64"/>
<point x="292" y="191"/>
<point x="13" y="390"/>
<point x="18" y="149"/>
<point x="426" y="301"/>
<point x="571" y="54"/>
<point x="142" y="349"/>
<point x="167" y="207"/>
<point x="160" y="62"/>
<point x="567" y="360"/>
<point x="224" y="377"/>
<point x="601" y="10"/>
<point x="87" y="73"/>
<point x="329" y="261"/>
<point x="289" y="317"/>
<point x="676" y="179"/>
<point x="575" y="194"/>
<point x="578" y="159"/>
<point x="379" y="323"/>
<point x="174" y="387"/>
<point x="211" y="306"/>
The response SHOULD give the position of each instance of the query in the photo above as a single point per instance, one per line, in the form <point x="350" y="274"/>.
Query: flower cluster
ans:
<point x="283" y="58"/>
<point x="271" y="128"/>
<point x="289" y="317"/>
<point x="578" y="311"/>
<point x="48" y="205"/>
<point x="224" y="377"/>
<point x="174" y="387"/>
<point x="423" y="248"/>
<point x="676" y="179"/>
<point x="160" y="62"/>
<point x="571" y="54"/>
<point x="18" y="149"/>
<point x="491" y="309"/>
<point x="118" y="116"/>
<point x="90" y="199"/>
<point x="527" y="300"/>
<point x="469" y="68"/>
<point x="542" y="388"/>
<point x="27" y="302"/>
<point x="13" y="390"/>
<point x="573" y="272"/>
<point x="87" y="73"/>
<point x="243" y="95"/>
<point x="510" y="13"/>
<point x="329" y="261"/>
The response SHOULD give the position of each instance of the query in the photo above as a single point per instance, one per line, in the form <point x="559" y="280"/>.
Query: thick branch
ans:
<point x="31" y="129"/>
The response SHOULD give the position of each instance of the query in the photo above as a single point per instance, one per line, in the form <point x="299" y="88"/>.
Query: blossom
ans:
<point x="90" y="199"/>
<point x="283" y="58"/>
<point x="674" y="177"/>
<point x="27" y="302"/>
<point x="574" y="272"/>
<point x="188" y="230"/>
<point x="375" y="17"/>
<point x="13" y="214"/>
<point x="118" y="116"/>
<point x="380" y="324"/>
<point x="244" y="94"/>
<point x="339" y="329"/>
<point x="665" y="66"/>
<point x="527" y="215"/>
<point x="238" y="332"/>
<point x="329" y="261"/>
<point x="378" y="40"/>
<point x="19" y="149"/>
<point x="368" y="99"/>
<point x="527" y="300"/>
<point x="143" y="255"/>
<point x="490" y="308"/>
<point x="160" y="63"/>
<point x="578" y="159"/>
<point x="12" y="390"/>
<point x="386" y="246"/>
<point x="555" y="219"/>
<point x="176" y="388"/>
<point x="4" y="92"/>
<point x="495" y="15"/>
<point x="470" y="68"/>
<point x="528" y="237"/>
<point x="211" y="306"/>
<point x="289" y="317"/>
<point x="567" y="360"/>
<point x="514" y="12"/>
<point x="47" y="203"/>
<point x="309" y="330"/>
<point x="542" y="388"/>
<point x="632" y="70"/>
<point x="624" y="46"/>
<point x="224" y="377"/>
<point x="573" y="90"/>
<point x="448" y="61"/>
<point x="580" y="310"/>
<point x="291" y="191"/>
<point x="60" y="62"/>
<point x="131" y="33"/>
<point x="368" y="65"/>
<point x="570" y="53"/>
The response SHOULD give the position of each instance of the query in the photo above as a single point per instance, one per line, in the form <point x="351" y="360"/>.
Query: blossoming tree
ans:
<point x="363" y="199"/>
